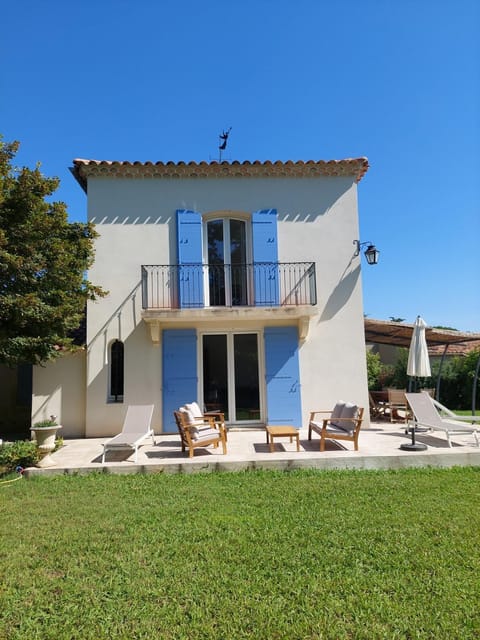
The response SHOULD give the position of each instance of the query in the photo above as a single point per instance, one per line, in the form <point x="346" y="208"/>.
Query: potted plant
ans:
<point x="45" y="433"/>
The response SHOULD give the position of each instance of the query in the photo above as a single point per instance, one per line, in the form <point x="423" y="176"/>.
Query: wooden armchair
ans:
<point x="198" y="433"/>
<point x="218" y="416"/>
<point x="343" y="423"/>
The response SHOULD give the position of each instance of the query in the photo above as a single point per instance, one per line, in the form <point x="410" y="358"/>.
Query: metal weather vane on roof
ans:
<point x="223" y="144"/>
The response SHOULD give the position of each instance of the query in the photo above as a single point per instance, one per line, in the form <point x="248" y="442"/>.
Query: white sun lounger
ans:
<point x="136" y="428"/>
<point x="426" y="415"/>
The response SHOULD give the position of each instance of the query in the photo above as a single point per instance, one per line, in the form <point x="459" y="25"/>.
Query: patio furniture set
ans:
<point x="391" y="404"/>
<point x="343" y="423"/>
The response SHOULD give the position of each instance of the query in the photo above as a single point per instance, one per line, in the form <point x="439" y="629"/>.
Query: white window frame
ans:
<point x="231" y="371"/>
<point x="226" y="216"/>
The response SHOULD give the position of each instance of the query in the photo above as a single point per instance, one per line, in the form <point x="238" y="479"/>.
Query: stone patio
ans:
<point x="379" y="448"/>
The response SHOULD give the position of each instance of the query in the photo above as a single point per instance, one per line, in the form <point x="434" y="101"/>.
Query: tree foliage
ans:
<point x="374" y="368"/>
<point x="43" y="260"/>
<point x="456" y="387"/>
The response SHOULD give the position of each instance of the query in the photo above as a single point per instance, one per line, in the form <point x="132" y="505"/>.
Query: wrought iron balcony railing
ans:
<point x="240" y="285"/>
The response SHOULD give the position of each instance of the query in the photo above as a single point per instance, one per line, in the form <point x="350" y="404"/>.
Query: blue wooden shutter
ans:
<point x="179" y="370"/>
<point x="282" y="376"/>
<point x="189" y="247"/>
<point x="265" y="257"/>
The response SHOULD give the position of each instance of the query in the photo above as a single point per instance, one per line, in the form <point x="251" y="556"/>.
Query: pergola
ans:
<point x="400" y="334"/>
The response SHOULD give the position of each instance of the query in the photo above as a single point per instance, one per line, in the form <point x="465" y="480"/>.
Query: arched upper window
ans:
<point x="116" y="371"/>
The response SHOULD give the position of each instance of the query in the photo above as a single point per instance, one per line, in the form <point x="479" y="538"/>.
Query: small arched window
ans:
<point x="116" y="371"/>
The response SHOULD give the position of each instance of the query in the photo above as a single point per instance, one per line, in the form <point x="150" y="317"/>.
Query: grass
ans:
<point x="264" y="555"/>
<point x="466" y="412"/>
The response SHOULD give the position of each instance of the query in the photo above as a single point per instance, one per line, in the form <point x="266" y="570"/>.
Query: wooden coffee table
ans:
<point x="282" y="431"/>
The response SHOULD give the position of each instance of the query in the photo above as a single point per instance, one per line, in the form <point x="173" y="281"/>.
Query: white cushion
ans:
<point x="189" y="417"/>
<point x="195" y="409"/>
<point x="204" y="434"/>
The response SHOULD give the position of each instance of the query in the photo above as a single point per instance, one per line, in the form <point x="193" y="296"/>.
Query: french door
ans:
<point x="227" y="254"/>
<point x="230" y="368"/>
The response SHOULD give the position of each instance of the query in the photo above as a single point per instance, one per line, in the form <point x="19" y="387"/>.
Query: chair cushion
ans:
<point x="338" y="430"/>
<point x="349" y="411"/>
<point x="204" y="434"/>
<point x="337" y="412"/>
<point x="195" y="409"/>
<point x="189" y="417"/>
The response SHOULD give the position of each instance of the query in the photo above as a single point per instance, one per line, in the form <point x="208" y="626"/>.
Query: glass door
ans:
<point x="215" y="374"/>
<point x="246" y="379"/>
<point x="231" y="376"/>
<point x="226" y="256"/>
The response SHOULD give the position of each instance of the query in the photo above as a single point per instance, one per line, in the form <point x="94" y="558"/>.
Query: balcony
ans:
<point x="201" y="293"/>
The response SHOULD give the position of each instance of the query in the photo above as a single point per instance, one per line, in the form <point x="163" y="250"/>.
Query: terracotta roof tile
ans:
<point x="83" y="169"/>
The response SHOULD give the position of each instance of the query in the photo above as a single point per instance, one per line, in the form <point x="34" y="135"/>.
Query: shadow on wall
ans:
<point x="116" y="316"/>
<point x="291" y="209"/>
<point x="331" y="194"/>
<point x="340" y="294"/>
<point x="135" y="219"/>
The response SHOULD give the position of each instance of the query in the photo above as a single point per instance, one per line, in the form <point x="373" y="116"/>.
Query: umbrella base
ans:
<point x="413" y="446"/>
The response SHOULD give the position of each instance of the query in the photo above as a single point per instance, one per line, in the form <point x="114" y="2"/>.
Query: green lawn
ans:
<point x="264" y="555"/>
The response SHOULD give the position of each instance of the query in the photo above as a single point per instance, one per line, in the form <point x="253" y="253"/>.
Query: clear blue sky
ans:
<point x="398" y="82"/>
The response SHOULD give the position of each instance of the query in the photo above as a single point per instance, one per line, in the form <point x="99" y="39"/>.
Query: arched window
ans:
<point x="116" y="371"/>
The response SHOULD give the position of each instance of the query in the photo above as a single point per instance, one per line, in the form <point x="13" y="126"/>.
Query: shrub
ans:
<point x="21" y="453"/>
<point x="374" y="367"/>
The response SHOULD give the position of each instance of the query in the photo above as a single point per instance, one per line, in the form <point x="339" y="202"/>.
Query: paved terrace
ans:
<point x="379" y="448"/>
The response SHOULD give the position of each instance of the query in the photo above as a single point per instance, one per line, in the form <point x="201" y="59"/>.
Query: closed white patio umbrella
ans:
<point x="418" y="365"/>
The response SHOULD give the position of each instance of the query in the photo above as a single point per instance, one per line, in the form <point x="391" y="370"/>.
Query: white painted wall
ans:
<point x="136" y="220"/>
<point x="59" y="389"/>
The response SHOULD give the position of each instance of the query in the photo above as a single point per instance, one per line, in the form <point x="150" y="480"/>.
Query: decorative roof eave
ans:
<point x="84" y="169"/>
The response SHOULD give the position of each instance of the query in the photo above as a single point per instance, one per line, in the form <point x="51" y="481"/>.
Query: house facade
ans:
<point x="232" y="284"/>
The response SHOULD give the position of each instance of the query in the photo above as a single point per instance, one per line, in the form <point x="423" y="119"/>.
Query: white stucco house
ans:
<point x="235" y="284"/>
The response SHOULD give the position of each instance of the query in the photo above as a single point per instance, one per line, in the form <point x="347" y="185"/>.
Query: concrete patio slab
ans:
<point x="379" y="448"/>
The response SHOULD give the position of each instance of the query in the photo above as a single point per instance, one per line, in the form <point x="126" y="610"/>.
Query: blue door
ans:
<point x="179" y="370"/>
<point x="282" y="376"/>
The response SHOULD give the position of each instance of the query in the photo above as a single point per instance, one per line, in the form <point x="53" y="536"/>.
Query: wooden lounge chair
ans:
<point x="198" y="433"/>
<point x="426" y="414"/>
<point x="136" y="428"/>
<point x="343" y="423"/>
<point x="397" y="402"/>
<point x="378" y="408"/>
